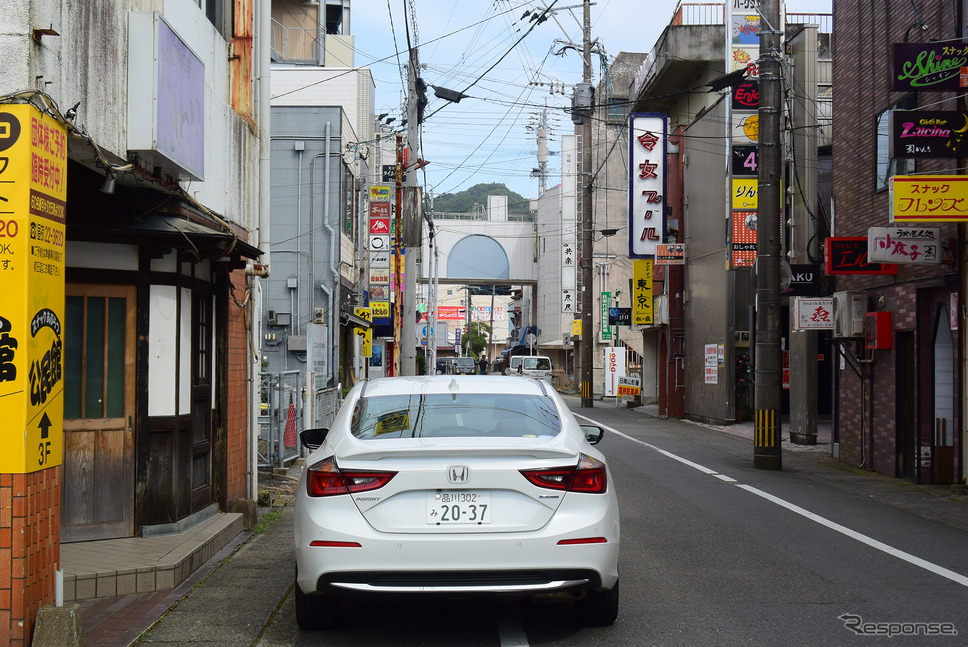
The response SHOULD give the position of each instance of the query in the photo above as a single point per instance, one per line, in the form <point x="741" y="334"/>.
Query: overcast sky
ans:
<point x="485" y="138"/>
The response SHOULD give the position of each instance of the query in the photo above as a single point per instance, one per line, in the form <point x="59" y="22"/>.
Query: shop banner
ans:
<point x="33" y="224"/>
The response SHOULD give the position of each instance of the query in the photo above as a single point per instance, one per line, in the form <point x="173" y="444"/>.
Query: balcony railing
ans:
<point x="699" y="13"/>
<point x="294" y="44"/>
<point x="824" y="20"/>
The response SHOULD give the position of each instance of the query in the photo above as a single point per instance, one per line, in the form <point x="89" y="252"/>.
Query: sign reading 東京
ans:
<point x="647" y="183"/>
<point x="33" y="223"/>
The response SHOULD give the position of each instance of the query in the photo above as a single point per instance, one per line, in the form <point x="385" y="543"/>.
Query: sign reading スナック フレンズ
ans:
<point x="33" y="219"/>
<point x="647" y="183"/>
<point x="926" y="67"/>
<point x="929" y="198"/>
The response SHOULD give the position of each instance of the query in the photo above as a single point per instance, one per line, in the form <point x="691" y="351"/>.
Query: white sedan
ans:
<point x="455" y="485"/>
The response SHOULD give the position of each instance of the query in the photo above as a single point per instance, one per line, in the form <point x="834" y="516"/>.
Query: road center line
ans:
<point x="803" y="512"/>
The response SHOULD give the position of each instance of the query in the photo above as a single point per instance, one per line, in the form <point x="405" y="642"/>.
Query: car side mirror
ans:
<point x="593" y="433"/>
<point x="311" y="439"/>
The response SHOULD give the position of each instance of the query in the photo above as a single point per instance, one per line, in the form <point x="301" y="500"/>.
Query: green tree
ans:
<point x="464" y="201"/>
<point x="476" y="339"/>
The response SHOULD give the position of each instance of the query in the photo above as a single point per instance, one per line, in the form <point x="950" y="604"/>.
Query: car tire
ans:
<point x="315" y="612"/>
<point x="599" y="608"/>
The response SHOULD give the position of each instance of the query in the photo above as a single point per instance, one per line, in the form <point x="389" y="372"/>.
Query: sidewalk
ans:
<point x="123" y="586"/>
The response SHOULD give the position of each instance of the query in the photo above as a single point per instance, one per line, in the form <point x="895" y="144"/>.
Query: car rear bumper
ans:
<point x="525" y="562"/>
<point x="463" y="582"/>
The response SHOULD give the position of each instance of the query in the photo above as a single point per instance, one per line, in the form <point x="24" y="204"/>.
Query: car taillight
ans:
<point x="588" y="476"/>
<point x="326" y="479"/>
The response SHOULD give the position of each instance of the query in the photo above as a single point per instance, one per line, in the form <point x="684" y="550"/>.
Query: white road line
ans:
<point x="864" y="539"/>
<point x="853" y="534"/>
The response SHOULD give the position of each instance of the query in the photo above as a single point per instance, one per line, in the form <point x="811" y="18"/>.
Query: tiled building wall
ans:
<point x="29" y="550"/>
<point x="863" y="33"/>
<point x="238" y="400"/>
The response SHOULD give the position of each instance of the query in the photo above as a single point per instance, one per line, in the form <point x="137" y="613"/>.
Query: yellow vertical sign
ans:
<point x="33" y="208"/>
<point x="576" y="327"/>
<point x="366" y="334"/>
<point x="642" y="307"/>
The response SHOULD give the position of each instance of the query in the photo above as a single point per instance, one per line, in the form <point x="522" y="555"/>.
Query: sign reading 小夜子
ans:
<point x="33" y="223"/>
<point x="913" y="245"/>
<point x="937" y="66"/>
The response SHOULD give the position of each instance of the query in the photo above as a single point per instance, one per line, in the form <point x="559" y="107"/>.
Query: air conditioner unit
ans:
<point x="849" y="310"/>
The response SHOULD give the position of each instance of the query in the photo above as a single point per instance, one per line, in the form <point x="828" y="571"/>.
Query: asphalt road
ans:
<point x="713" y="553"/>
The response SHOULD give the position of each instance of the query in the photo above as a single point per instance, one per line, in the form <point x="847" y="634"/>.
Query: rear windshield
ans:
<point x="463" y="414"/>
<point x="537" y="364"/>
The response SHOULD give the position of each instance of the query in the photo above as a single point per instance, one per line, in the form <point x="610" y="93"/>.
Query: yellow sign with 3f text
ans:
<point x="33" y="209"/>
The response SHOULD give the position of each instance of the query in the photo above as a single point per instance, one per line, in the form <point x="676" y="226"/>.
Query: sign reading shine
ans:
<point x="33" y="208"/>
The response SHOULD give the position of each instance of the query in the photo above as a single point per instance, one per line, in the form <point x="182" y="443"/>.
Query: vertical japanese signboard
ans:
<point x="742" y="52"/>
<point x="33" y="208"/>
<point x="614" y="369"/>
<point x="365" y="334"/>
<point x="381" y="226"/>
<point x="647" y="183"/>
<point x="643" y="312"/>
<point x="605" y="331"/>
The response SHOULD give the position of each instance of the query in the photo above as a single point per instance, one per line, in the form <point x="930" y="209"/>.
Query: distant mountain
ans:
<point x="464" y="201"/>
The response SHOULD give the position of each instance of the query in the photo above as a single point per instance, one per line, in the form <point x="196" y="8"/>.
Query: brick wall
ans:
<point x="29" y="550"/>
<point x="238" y="400"/>
<point x="863" y="33"/>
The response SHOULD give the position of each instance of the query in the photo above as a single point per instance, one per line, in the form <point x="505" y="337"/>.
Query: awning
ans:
<point x="165" y="229"/>
<point x="349" y="318"/>
<point x="147" y="217"/>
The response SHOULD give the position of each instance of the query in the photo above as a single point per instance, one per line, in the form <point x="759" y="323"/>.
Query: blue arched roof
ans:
<point x="478" y="257"/>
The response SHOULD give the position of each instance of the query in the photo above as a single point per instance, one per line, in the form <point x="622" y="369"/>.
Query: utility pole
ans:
<point x="411" y="268"/>
<point x="587" y="332"/>
<point x="395" y="274"/>
<point x="768" y="365"/>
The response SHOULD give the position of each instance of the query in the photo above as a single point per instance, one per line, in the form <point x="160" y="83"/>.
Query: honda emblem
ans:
<point x="458" y="474"/>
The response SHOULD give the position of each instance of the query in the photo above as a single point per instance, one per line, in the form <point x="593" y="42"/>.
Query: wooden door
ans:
<point x="202" y="342"/>
<point x="97" y="493"/>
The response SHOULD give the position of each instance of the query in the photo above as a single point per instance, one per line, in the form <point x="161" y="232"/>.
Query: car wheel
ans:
<point x="599" y="608"/>
<point x="315" y="611"/>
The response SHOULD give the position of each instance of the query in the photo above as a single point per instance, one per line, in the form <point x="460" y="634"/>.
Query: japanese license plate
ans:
<point x="466" y="507"/>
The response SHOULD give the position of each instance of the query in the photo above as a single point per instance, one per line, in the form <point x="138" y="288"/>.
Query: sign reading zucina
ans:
<point x="923" y="67"/>
<point x="929" y="198"/>
<point x="647" y="183"/>
<point x="929" y="134"/>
